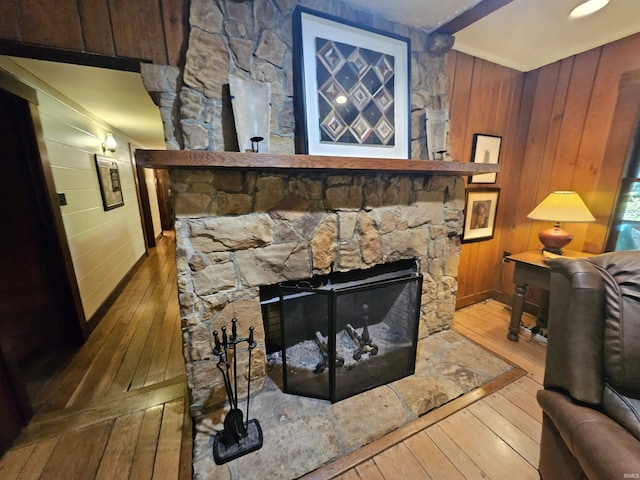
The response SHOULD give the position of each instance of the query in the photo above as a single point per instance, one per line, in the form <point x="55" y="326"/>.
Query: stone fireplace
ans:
<point x="238" y="230"/>
<point x="246" y="221"/>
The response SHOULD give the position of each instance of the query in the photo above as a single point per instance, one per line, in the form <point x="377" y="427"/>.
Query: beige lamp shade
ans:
<point x="560" y="206"/>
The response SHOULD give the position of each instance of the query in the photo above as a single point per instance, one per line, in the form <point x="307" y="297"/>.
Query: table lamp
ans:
<point x="560" y="206"/>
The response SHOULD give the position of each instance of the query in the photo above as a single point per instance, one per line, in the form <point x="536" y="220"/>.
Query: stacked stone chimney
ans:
<point x="237" y="230"/>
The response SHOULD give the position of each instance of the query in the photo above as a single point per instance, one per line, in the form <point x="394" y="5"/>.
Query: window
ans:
<point x="625" y="228"/>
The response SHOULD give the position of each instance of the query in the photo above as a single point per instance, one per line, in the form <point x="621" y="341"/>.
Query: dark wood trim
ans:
<point x="17" y="88"/>
<point x="462" y="302"/>
<point x="528" y="307"/>
<point x="266" y="161"/>
<point x="501" y="297"/>
<point x="478" y="12"/>
<point x="53" y="54"/>
<point x="93" y="321"/>
<point x="53" y="209"/>
<point x="333" y="470"/>
<point x="145" y="208"/>
<point x="163" y="190"/>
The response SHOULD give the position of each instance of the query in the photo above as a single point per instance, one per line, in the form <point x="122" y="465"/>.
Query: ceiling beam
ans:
<point x="481" y="10"/>
<point x="61" y="55"/>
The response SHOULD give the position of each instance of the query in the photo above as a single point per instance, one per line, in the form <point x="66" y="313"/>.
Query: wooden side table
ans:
<point x="530" y="268"/>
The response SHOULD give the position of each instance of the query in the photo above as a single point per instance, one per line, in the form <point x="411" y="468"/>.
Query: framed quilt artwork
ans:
<point x="352" y="88"/>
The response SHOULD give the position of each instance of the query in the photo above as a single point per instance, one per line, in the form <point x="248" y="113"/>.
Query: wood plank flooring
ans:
<point x="119" y="410"/>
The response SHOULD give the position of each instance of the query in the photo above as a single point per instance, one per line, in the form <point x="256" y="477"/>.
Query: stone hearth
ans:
<point x="302" y="434"/>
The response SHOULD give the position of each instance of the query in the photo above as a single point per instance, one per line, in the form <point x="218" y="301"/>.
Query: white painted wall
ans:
<point x="150" y="180"/>
<point x="104" y="245"/>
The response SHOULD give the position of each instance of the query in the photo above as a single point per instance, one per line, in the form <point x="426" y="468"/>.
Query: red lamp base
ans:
<point x="554" y="239"/>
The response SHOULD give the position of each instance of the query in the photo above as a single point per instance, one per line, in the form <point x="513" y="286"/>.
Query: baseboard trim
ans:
<point x="99" y="314"/>
<point x="497" y="295"/>
<point x="462" y="302"/>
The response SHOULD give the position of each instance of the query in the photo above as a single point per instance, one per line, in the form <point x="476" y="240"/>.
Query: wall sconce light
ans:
<point x="109" y="143"/>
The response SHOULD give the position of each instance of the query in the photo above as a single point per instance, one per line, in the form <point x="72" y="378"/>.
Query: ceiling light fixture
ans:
<point x="109" y="143"/>
<point x="587" y="8"/>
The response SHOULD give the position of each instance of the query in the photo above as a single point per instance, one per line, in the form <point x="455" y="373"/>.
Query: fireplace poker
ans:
<point x="234" y="338"/>
<point x="221" y="351"/>
<point x="233" y="422"/>
<point x="252" y="345"/>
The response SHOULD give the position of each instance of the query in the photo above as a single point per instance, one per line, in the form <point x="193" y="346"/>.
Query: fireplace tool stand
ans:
<point x="238" y="437"/>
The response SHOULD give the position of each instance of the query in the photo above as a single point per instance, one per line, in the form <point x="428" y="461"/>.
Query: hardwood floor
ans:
<point x="119" y="409"/>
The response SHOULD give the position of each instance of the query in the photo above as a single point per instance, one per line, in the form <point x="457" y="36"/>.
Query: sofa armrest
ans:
<point x="602" y="447"/>
<point x="574" y="361"/>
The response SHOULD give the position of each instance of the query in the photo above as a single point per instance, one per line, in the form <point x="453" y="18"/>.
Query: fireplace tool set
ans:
<point x="239" y="436"/>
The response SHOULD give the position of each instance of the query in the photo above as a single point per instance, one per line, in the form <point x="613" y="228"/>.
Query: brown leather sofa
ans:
<point x="591" y="396"/>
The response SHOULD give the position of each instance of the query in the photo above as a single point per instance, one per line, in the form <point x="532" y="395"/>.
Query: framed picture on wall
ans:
<point x="109" y="180"/>
<point x="480" y="214"/>
<point x="486" y="149"/>
<point x="353" y="88"/>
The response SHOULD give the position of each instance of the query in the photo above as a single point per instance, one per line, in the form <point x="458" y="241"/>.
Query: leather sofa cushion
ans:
<point x="602" y="447"/>
<point x="621" y="275"/>
<point x="624" y="410"/>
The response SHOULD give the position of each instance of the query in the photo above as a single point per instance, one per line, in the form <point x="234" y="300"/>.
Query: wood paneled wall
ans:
<point x="485" y="98"/>
<point x="565" y="126"/>
<point x="105" y="27"/>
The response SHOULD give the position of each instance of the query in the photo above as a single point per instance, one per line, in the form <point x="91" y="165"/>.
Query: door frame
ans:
<point x="44" y="190"/>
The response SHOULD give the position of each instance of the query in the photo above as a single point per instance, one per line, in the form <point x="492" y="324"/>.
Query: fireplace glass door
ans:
<point x="344" y="337"/>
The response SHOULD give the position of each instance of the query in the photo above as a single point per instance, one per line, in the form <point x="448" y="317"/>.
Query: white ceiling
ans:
<point x="524" y="35"/>
<point x="528" y="34"/>
<point x="426" y="14"/>
<point x="117" y="97"/>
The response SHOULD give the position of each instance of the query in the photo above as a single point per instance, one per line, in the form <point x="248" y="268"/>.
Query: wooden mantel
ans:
<point x="267" y="161"/>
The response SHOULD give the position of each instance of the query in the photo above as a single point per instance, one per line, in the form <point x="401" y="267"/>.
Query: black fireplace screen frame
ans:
<point x="327" y="301"/>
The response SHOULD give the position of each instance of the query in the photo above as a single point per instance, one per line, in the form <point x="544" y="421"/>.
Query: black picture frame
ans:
<point x="109" y="180"/>
<point x="481" y="208"/>
<point x="353" y="88"/>
<point x="486" y="149"/>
